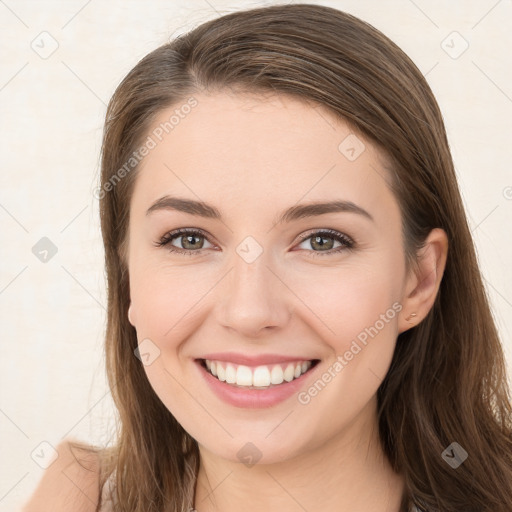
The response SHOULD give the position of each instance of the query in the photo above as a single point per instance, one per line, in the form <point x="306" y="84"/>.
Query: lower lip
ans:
<point x="254" y="398"/>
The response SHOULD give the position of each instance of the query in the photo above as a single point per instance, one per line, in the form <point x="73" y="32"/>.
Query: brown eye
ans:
<point x="323" y="242"/>
<point x="190" y="240"/>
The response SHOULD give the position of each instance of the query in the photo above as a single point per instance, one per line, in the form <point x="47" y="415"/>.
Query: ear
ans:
<point x="423" y="282"/>
<point x="130" y="315"/>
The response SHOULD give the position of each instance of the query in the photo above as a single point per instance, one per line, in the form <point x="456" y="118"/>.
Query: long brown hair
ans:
<point x="447" y="381"/>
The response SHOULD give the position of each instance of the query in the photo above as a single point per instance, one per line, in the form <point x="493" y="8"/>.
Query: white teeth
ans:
<point x="289" y="373"/>
<point x="260" y="377"/>
<point x="221" y="373"/>
<point x="244" y="376"/>
<point x="230" y="374"/>
<point x="276" y="375"/>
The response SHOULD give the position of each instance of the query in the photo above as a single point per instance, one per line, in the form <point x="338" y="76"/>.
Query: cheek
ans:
<point x="348" y="299"/>
<point x="168" y="302"/>
<point x="356" y="309"/>
<point x="360" y="318"/>
<point x="166" y="297"/>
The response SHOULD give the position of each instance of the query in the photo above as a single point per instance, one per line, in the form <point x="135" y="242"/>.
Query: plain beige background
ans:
<point x="61" y="61"/>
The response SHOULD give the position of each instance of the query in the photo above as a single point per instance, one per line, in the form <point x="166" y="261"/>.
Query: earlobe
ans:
<point x="130" y="315"/>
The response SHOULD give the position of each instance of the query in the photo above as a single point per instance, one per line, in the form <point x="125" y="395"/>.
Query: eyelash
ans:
<point x="347" y="243"/>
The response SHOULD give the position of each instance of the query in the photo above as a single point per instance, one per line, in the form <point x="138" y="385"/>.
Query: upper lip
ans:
<point x="261" y="359"/>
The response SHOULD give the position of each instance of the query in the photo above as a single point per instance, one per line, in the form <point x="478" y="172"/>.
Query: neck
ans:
<point x="348" y="473"/>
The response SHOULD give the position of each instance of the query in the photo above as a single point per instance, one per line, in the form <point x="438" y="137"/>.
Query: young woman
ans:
<point x="296" y="317"/>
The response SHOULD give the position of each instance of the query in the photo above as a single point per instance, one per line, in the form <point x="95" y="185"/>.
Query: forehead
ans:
<point x="257" y="151"/>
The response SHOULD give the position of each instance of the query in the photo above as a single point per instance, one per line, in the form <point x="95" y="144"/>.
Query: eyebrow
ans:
<point x="301" y="211"/>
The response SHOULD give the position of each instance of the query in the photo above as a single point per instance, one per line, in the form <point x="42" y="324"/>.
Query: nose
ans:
<point x="253" y="299"/>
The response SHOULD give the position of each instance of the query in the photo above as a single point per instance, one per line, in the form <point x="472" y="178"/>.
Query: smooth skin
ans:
<point x="251" y="157"/>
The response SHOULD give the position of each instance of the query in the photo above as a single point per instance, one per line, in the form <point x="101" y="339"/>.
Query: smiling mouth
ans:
<point x="257" y="377"/>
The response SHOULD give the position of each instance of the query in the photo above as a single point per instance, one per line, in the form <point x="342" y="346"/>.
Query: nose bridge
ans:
<point x="252" y="298"/>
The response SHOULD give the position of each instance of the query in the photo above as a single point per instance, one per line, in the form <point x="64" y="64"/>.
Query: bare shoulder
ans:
<point x="70" y="483"/>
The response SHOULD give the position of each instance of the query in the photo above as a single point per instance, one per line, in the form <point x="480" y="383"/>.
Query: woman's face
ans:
<point x="324" y="285"/>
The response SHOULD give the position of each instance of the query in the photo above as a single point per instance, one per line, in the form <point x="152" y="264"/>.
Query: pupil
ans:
<point x="187" y="241"/>
<point x="319" y="240"/>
